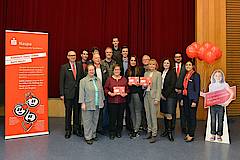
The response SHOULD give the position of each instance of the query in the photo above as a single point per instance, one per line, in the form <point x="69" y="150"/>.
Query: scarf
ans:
<point x="186" y="80"/>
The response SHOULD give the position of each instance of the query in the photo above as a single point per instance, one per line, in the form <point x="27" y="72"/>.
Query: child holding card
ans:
<point x="217" y="111"/>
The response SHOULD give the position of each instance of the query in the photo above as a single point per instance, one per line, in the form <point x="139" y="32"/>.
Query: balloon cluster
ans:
<point x="206" y="52"/>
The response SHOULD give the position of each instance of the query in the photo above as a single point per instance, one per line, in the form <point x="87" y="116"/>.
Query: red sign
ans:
<point x="133" y="80"/>
<point x="145" y="81"/>
<point x="219" y="97"/>
<point x="118" y="90"/>
<point x="26" y="84"/>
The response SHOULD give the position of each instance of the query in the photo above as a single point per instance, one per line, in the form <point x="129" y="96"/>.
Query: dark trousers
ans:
<point x="217" y="112"/>
<point x="128" y="119"/>
<point x="183" y="120"/>
<point x="100" y="121"/>
<point x="190" y="113"/>
<point x="72" y="104"/>
<point x="116" y="111"/>
<point x="105" y="115"/>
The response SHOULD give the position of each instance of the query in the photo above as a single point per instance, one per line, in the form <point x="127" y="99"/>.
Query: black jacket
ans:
<point x="180" y="78"/>
<point x="169" y="84"/>
<point x="68" y="86"/>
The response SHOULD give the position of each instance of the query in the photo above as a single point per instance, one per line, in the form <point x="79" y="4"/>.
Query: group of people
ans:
<point x="101" y="93"/>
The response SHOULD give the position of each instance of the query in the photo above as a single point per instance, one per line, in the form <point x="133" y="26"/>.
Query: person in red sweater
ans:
<point x="116" y="89"/>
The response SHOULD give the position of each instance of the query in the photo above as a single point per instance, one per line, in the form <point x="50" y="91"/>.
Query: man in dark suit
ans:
<point x="117" y="56"/>
<point x="180" y="72"/>
<point x="84" y="61"/>
<point x="70" y="75"/>
<point x="101" y="72"/>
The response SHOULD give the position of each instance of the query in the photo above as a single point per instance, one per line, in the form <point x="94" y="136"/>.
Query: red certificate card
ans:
<point x="118" y="90"/>
<point x="133" y="80"/>
<point x="145" y="81"/>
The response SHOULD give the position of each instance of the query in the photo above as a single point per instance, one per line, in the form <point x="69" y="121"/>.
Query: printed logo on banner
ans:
<point x="24" y="110"/>
<point x="13" y="41"/>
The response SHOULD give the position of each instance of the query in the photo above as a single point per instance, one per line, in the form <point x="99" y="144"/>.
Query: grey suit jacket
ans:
<point x="87" y="93"/>
<point x="155" y="88"/>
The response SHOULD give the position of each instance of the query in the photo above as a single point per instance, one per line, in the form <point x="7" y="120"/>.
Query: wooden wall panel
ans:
<point x="233" y="51"/>
<point x="210" y="27"/>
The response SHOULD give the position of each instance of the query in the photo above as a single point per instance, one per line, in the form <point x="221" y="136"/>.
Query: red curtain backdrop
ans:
<point x="155" y="27"/>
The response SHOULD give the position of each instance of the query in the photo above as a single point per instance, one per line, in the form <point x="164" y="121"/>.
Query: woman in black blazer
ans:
<point x="191" y="93"/>
<point x="168" y="97"/>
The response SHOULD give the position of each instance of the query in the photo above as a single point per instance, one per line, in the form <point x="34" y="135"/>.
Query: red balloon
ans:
<point x="196" y="45"/>
<point x="201" y="53"/>
<point x="210" y="57"/>
<point x="217" y="52"/>
<point x="192" y="50"/>
<point x="209" y="53"/>
<point x="207" y="45"/>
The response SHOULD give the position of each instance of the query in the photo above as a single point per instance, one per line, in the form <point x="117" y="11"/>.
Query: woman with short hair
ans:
<point x="116" y="88"/>
<point x="91" y="97"/>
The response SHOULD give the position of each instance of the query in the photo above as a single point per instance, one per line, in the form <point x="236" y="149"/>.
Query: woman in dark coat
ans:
<point x="168" y="97"/>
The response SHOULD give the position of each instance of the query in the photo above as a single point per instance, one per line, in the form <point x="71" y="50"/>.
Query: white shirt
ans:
<point x="178" y="65"/>
<point x="99" y="73"/>
<point x="163" y="76"/>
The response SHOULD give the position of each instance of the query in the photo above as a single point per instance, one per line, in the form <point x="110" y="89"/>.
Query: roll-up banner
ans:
<point x="26" y="84"/>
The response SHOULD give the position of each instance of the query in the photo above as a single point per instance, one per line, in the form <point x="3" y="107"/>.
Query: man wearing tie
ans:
<point x="70" y="75"/>
<point x="180" y="72"/>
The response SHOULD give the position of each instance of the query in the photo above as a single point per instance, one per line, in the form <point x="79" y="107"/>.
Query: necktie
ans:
<point x="74" y="71"/>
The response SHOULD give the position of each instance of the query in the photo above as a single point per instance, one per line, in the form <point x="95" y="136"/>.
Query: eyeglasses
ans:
<point x="71" y="55"/>
<point x="132" y="60"/>
<point x="178" y="56"/>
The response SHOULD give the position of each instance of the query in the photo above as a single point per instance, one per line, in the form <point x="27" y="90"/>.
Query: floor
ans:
<point x="55" y="146"/>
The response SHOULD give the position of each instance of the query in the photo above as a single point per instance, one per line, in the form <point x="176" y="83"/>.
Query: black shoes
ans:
<point x="170" y="136"/>
<point x="149" y="135"/>
<point x="111" y="137"/>
<point x="118" y="135"/>
<point x="95" y="139"/>
<point x="164" y="134"/>
<point x="134" y="135"/>
<point x="68" y="134"/>
<point x="153" y="139"/>
<point x="90" y="142"/>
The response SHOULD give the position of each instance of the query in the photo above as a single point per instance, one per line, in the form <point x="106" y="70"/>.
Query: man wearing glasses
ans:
<point x="180" y="72"/>
<point x="70" y="75"/>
